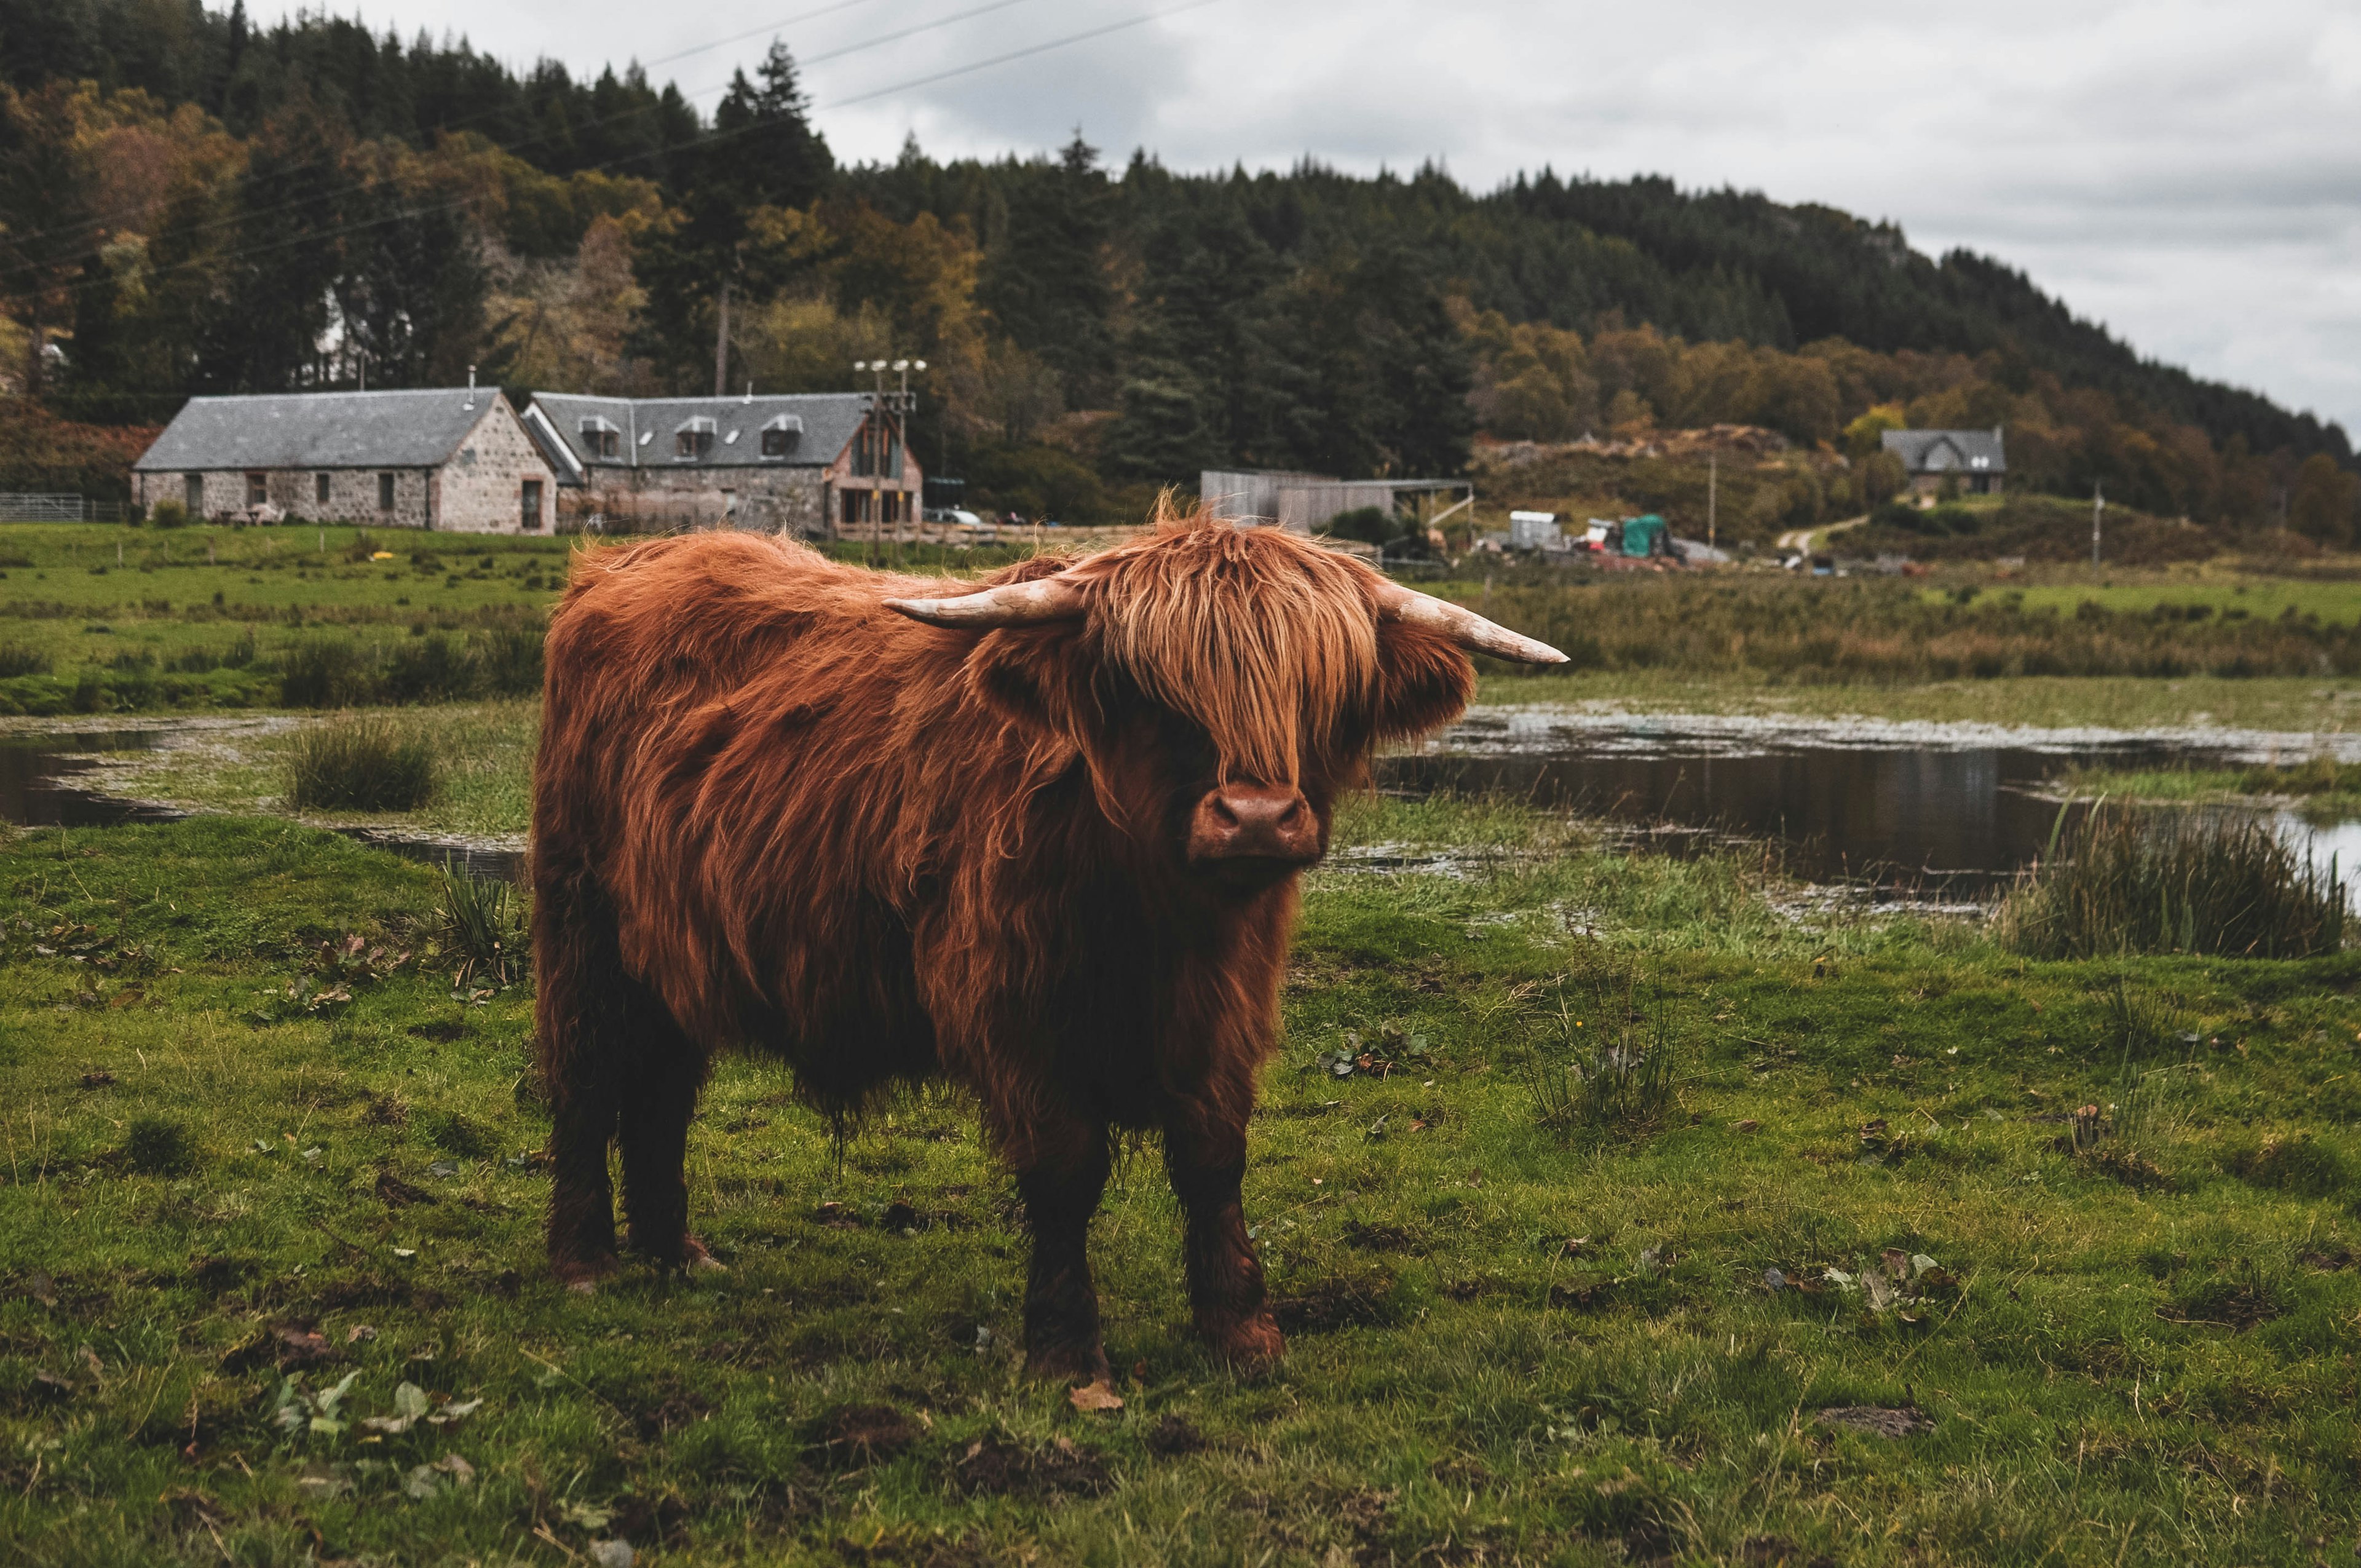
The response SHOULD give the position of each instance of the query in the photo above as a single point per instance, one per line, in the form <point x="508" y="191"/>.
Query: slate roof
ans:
<point x="406" y="428"/>
<point x="647" y="425"/>
<point x="1948" y="451"/>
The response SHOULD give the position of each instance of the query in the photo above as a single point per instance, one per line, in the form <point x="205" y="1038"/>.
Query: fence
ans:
<point x="31" y="508"/>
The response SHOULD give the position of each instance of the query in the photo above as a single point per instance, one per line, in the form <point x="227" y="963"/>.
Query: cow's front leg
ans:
<point x="1061" y="1303"/>
<point x="1225" y="1286"/>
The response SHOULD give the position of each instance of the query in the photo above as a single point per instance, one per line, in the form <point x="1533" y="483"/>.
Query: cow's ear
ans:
<point x="1035" y="678"/>
<point x="1423" y="680"/>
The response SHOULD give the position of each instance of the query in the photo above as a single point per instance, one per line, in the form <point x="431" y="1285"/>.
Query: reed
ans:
<point x="361" y="764"/>
<point x="1604" y="1051"/>
<point x="482" y="927"/>
<point x="2126" y="882"/>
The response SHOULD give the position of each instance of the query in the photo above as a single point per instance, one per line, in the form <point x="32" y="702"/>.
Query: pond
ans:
<point x="39" y="788"/>
<point x="1943" y="806"/>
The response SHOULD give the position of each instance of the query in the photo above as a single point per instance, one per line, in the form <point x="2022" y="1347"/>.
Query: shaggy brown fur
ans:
<point x="770" y="815"/>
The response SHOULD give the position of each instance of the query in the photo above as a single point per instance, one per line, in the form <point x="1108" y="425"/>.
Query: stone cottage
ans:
<point x="817" y="463"/>
<point x="455" y="459"/>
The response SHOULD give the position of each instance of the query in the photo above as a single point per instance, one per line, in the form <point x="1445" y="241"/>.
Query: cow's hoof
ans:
<point x="1076" y="1364"/>
<point x="582" y="1275"/>
<point x="1249" y="1344"/>
<point x="694" y="1257"/>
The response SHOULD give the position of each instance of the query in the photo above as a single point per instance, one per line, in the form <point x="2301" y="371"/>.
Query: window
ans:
<point x="258" y="489"/>
<point x="693" y="440"/>
<point x="781" y="436"/>
<point x="385" y="492"/>
<point x="600" y="439"/>
<point x="192" y="492"/>
<point x="531" y="503"/>
<point x="319" y="489"/>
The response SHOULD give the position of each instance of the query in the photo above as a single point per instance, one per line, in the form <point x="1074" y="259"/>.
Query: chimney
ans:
<point x="471" y="388"/>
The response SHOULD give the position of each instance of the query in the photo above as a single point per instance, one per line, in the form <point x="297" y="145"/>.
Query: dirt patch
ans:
<point x="1775" y="1551"/>
<point x="1379" y="1238"/>
<point x="1334" y="1304"/>
<point x="1174" y="1436"/>
<point x="993" y="1467"/>
<point x="1877" y="1420"/>
<point x="852" y="1436"/>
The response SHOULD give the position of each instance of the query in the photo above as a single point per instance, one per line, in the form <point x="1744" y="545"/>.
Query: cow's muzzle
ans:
<point x="1253" y="834"/>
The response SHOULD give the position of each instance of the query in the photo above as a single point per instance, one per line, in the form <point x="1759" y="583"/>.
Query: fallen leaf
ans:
<point x="89" y="1359"/>
<point x="585" y="1515"/>
<point x="405" y="1251"/>
<point x="1095" y="1396"/>
<point x="458" y="1469"/>
<point x="443" y="1168"/>
<point x="359" y="1332"/>
<point x="453" y="1413"/>
<point x="1574" y="1245"/>
<point x="1749" y="1126"/>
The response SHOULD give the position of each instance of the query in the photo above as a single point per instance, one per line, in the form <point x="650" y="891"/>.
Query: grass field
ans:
<point x="1513" y="1341"/>
<point x="1551" y="1298"/>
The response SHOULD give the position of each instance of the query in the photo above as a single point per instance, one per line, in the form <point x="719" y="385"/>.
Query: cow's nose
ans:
<point x="1255" y="822"/>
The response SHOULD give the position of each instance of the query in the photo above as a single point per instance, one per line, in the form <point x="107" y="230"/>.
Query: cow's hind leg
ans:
<point x="580" y="1060"/>
<point x="660" y="1089"/>
<point x="1061" y="1302"/>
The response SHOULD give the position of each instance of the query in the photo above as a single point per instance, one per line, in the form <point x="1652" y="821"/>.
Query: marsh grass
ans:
<point x="2119" y="880"/>
<point x="363" y="765"/>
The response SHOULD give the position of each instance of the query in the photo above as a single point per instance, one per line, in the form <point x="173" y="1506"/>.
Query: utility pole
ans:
<point x="2097" y="510"/>
<point x="1712" y="486"/>
<point x="721" y="345"/>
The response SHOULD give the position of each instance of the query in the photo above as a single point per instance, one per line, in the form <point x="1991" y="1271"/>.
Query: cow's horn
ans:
<point x="1464" y="626"/>
<point x="1010" y="603"/>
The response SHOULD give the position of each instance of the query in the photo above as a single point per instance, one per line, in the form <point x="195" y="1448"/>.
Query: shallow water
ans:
<point x="1962" y="806"/>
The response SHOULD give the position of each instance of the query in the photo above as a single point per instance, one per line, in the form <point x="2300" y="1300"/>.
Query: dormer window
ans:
<point x="693" y="440"/>
<point x="600" y="439"/>
<point x="782" y="434"/>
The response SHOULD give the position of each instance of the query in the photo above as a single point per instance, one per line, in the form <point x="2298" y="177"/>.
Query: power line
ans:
<point x="1017" y="54"/>
<point x="235" y="219"/>
<point x="706" y="138"/>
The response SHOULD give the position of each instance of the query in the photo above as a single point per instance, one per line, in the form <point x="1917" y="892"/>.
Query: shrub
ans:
<point x="361" y="764"/>
<point x="427" y="669"/>
<point x="509" y="660"/>
<point x="2118" y="881"/>
<point x="324" y="672"/>
<point x="170" y="512"/>
<point x="23" y="659"/>
<point x="158" y="1146"/>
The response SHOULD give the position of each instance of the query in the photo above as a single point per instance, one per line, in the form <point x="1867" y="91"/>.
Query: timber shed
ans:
<point x="440" y="457"/>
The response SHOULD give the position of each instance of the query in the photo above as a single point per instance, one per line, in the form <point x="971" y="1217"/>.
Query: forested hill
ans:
<point x="189" y="204"/>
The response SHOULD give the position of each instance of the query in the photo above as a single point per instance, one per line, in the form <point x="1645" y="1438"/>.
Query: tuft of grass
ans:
<point x="2296" y="1165"/>
<point x="159" y="1145"/>
<point x="361" y="764"/>
<point x="2121" y="881"/>
<point x="1603" y="1054"/>
<point x="23" y="659"/>
<point x="481" y="925"/>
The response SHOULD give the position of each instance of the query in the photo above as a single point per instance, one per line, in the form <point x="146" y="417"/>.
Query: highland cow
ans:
<point x="1040" y="838"/>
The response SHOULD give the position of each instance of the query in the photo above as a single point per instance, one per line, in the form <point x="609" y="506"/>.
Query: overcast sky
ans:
<point x="2188" y="174"/>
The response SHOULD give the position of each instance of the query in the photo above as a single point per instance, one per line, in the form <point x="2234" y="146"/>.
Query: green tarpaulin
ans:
<point x="1643" y="535"/>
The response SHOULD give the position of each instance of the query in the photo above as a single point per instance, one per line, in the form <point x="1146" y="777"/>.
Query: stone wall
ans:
<point x="352" y="494"/>
<point x="481" y="488"/>
<point x="772" y="498"/>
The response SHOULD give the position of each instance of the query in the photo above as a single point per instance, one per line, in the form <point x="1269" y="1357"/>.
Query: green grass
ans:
<point x="2127" y="1356"/>
<point x="361" y="764"/>
<point x="2259" y="598"/>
